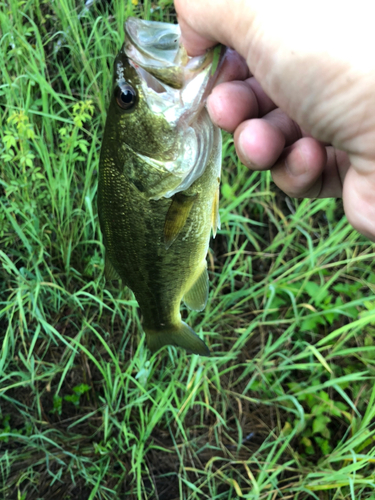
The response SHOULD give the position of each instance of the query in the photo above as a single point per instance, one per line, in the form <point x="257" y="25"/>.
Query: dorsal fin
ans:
<point x="176" y="217"/>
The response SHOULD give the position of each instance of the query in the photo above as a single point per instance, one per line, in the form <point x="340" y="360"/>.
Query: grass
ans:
<point x="284" y="408"/>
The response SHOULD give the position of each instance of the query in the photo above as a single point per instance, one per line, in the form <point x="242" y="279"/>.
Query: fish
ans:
<point x="159" y="179"/>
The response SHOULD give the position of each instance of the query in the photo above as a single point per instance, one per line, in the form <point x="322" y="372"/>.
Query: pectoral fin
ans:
<point x="110" y="272"/>
<point x="196" y="297"/>
<point x="177" y="216"/>
<point x="215" y="216"/>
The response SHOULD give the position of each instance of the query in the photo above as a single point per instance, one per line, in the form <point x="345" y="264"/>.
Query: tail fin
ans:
<point x="180" y="335"/>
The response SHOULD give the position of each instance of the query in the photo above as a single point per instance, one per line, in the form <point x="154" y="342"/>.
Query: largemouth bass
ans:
<point x="160" y="164"/>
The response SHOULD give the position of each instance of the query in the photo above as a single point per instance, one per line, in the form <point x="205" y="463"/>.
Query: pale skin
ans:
<point x="298" y="92"/>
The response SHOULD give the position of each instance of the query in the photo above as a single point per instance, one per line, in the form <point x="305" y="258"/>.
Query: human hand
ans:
<point x="301" y="102"/>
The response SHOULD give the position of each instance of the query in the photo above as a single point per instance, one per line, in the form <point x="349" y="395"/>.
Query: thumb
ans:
<point x="208" y="22"/>
<point x="194" y="43"/>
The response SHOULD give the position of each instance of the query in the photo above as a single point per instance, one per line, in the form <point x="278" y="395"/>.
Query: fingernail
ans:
<point x="241" y="145"/>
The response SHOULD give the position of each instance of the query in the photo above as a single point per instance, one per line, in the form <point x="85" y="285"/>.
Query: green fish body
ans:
<point x="159" y="180"/>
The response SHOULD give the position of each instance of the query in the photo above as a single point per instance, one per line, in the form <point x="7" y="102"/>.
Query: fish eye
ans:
<point x="125" y="96"/>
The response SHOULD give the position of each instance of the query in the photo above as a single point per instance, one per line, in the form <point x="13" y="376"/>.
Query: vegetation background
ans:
<point x="284" y="408"/>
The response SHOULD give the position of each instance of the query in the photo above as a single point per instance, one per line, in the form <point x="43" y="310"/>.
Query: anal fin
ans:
<point x="177" y="216"/>
<point x="196" y="297"/>
<point x="110" y="272"/>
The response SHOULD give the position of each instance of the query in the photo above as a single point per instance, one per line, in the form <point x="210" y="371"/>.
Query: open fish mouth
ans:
<point x="175" y="85"/>
<point x="155" y="51"/>
<point x="156" y="48"/>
